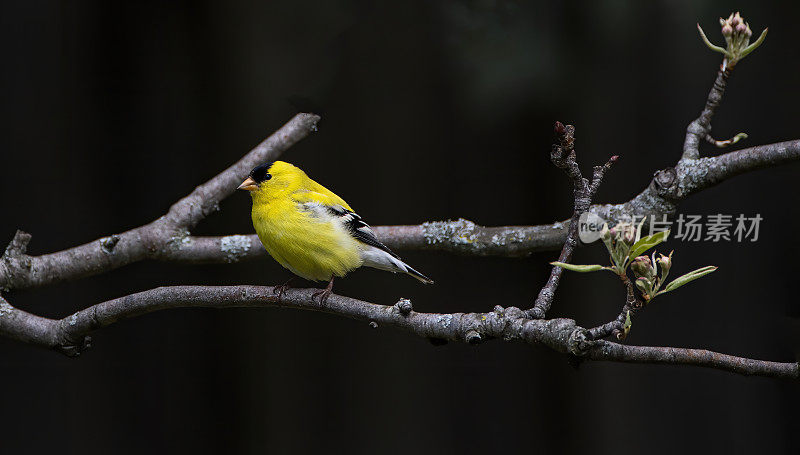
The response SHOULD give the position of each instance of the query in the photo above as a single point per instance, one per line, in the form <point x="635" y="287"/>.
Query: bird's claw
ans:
<point x="280" y="290"/>
<point x="322" y="294"/>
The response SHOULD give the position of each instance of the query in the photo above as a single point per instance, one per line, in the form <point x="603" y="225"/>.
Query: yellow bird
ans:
<point x="311" y="231"/>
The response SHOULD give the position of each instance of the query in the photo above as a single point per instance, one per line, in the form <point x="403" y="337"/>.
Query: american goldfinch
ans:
<point x="311" y="231"/>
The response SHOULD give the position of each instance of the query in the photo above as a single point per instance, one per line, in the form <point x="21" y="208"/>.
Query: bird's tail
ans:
<point x="410" y="270"/>
<point x="384" y="260"/>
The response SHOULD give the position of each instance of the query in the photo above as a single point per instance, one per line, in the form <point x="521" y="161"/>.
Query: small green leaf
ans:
<point x="691" y="276"/>
<point x="711" y="46"/>
<point x="578" y="268"/>
<point x="753" y="46"/>
<point x="620" y="253"/>
<point x="628" y="324"/>
<point x="645" y="243"/>
<point x="738" y="137"/>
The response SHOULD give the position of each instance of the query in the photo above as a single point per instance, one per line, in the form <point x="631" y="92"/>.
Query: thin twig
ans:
<point x="606" y="350"/>
<point x="726" y="142"/>
<point x="700" y="127"/>
<point x="617" y="326"/>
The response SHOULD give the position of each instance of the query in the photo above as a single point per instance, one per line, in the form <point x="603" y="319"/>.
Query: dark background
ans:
<point x="111" y="111"/>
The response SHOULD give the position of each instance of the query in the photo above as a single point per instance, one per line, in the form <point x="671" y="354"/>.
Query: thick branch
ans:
<point x="461" y="237"/>
<point x="700" y="174"/>
<point x="670" y="186"/>
<point x="70" y="335"/>
<point x="156" y="240"/>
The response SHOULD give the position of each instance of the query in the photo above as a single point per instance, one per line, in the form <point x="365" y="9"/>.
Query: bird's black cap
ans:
<point x="260" y="173"/>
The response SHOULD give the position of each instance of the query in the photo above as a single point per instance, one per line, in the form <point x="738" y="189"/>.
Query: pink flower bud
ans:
<point x="740" y="29"/>
<point x="727" y="30"/>
<point x="629" y="236"/>
<point x="642" y="267"/>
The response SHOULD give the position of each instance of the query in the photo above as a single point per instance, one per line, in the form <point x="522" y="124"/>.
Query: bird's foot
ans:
<point x="321" y="296"/>
<point x="323" y="293"/>
<point x="281" y="290"/>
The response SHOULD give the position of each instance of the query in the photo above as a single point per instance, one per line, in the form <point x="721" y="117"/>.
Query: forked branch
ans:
<point x="564" y="157"/>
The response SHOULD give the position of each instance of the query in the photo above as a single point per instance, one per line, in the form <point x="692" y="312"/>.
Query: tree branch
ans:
<point x="666" y="190"/>
<point x="563" y="157"/>
<point x="617" y="326"/>
<point x="155" y="240"/>
<point x="70" y="335"/>
<point x="606" y="350"/>
<point x="700" y="174"/>
<point x="701" y="127"/>
<point x="669" y="187"/>
<point x="461" y="237"/>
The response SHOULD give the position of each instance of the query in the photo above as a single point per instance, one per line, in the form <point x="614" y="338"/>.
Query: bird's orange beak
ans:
<point x="248" y="185"/>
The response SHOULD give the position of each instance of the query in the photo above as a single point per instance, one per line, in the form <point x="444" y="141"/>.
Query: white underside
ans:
<point x="379" y="259"/>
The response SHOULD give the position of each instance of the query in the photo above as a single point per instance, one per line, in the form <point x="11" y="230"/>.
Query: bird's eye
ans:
<point x="260" y="174"/>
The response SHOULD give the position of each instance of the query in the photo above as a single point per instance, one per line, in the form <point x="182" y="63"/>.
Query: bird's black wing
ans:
<point x="358" y="228"/>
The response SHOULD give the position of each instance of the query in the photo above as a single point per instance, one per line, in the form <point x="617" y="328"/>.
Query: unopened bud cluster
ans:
<point x="618" y="241"/>
<point x="737" y="35"/>
<point x="736" y="30"/>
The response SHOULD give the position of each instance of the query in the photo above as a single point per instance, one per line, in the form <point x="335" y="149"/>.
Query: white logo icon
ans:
<point x="590" y="227"/>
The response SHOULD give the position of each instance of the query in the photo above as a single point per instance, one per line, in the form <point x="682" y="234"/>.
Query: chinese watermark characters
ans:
<point x="686" y="228"/>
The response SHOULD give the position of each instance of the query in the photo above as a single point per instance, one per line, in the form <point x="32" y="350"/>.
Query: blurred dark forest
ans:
<point x="111" y="111"/>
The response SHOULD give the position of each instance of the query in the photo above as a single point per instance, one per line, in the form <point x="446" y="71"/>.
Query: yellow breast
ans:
<point x="310" y="247"/>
